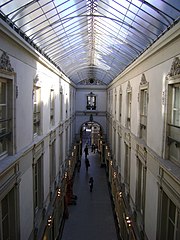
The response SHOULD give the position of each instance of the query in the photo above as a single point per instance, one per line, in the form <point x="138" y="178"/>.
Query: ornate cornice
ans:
<point x="5" y="63"/>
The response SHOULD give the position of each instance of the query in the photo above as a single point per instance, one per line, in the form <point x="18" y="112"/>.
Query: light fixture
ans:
<point x="128" y="221"/>
<point x="59" y="192"/>
<point x="120" y="194"/>
<point x="49" y="221"/>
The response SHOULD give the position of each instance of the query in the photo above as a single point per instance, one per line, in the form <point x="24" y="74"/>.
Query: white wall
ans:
<point x="82" y="114"/>
<point x="155" y="64"/>
<point x="27" y="64"/>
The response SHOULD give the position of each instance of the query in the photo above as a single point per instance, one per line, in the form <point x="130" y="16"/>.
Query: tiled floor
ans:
<point x="92" y="218"/>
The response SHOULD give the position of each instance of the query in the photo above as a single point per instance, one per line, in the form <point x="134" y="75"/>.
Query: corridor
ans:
<point x="92" y="217"/>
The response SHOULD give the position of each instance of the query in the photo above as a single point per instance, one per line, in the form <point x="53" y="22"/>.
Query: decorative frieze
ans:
<point x="91" y="81"/>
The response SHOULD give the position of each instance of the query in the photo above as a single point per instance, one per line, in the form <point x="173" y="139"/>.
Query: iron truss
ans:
<point x="90" y="39"/>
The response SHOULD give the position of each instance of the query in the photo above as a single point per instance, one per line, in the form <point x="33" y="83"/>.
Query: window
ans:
<point x="91" y="101"/>
<point x="52" y="107"/>
<point x="129" y="110"/>
<point x="175" y="114"/>
<point x="140" y="187"/>
<point x="173" y="117"/>
<point x="170" y="219"/>
<point x="67" y="105"/>
<point x="120" y="106"/>
<point x="61" y="150"/>
<point x="143" y="113"/>
<point x="61" y="104"/>
<point x="127" y="164"/>
<point x="52" y="162"/>
<point x="115" y="105"/>
<point x="37" y="110"/>
<point x="8" y="217"/>
<point x="143" y="99"/>
<point x="6" y="117"/>
<point x="38" y="184"/>
<point x="119" y="152"/>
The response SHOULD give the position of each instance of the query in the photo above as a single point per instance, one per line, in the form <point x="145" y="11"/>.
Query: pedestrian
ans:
<point x="86" y="151"/>
<point x="78" y="165"/>
<point x="94" y="148"/>
<point x="91" y="183"/>
<point x="87" y="164"/>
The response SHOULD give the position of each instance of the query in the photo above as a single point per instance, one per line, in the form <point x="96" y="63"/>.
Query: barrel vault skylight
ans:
<point x="90" y="39"/>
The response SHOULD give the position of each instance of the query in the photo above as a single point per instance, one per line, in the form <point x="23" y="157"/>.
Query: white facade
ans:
<point x="160" y="174"/>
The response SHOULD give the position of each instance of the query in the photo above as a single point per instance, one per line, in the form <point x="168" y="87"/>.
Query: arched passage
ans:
<point x="91" y="133"/>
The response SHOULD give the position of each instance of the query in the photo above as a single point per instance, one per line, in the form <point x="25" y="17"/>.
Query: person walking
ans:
<point x="87" y="164"/>
<point x="91" y="183"/>
<point x="78" y="165"/>
<point x="86" y="151"/>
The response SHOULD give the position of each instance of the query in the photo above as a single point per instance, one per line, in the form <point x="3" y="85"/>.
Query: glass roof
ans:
<point x="90" y="39"/>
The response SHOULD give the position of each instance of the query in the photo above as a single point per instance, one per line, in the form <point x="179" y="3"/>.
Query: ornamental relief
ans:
<point x="129" y="88"/>
<point x="5" y="63"/>
<point x="175" y="67"/>
<point x="144" y="83"/>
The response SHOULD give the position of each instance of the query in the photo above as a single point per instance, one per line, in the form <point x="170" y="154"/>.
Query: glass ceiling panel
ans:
<point x="90" y="38"/>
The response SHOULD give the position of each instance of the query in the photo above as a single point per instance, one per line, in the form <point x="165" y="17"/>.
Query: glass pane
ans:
<point x="170" y="230"/>
<point x="176" y="106"/>
<point x="178" y="225"/>
<point x="60" y="27"/>
<point x="172" y="210"/>
<point x="2" y="93"/>
<point x="3" y="110"/>
<point x="173" y="151"/>
<point x="5" y="229"/>
<point x="164" y="216"/>
<point x="4" y="205"/>
<point x="177" y="97"/>
<point x="176" y="117"/>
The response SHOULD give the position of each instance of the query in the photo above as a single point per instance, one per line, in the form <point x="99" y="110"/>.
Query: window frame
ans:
<point x="120" y="105"/>
<point x="36" y="114"/>
<point x="143" y="107"/>
<point x="172" y="144"/>
<point x="129" y="105"/>
<point x="12" y="93"/>
<point x="127" y="164"/>
<point x="165" y="217"/>
<point x="91" y="102"/>
<point x="37" y="184"/>
<point x="52" y="107"/>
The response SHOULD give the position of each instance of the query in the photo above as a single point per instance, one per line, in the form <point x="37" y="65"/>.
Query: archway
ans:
<point x="91" y="133"/>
